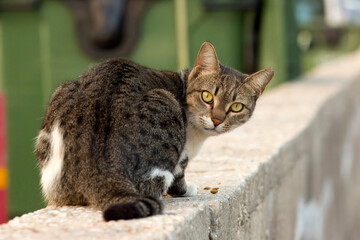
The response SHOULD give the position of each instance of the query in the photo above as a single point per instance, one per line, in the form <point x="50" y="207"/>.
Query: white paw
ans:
<point x="191" y="189"/>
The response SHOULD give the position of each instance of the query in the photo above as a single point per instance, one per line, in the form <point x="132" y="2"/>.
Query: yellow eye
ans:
<point x="237" y="107"/>
<point x="207" y="97"/>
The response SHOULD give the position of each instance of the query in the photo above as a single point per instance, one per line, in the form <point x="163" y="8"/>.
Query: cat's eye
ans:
<point x="207" y="97"/>
<point x="237" y="107"/>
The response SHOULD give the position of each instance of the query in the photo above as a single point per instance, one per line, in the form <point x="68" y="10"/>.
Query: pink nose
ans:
<point x="216" y="121"/>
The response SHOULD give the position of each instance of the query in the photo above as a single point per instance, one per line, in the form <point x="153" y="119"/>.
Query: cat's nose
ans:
<point x="216" y="121"/>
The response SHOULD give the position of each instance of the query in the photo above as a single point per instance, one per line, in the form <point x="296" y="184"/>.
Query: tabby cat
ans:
<point x="121" y="135"/>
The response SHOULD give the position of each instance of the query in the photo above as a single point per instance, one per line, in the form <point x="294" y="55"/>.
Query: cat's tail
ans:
<point x="138" y="208"/>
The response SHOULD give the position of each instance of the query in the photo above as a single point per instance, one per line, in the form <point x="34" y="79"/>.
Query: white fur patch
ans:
<point x="178" y="168"/>
<point x="195" y="138"/>
<point x="207" y="122"/>
<point x="219" y="128"/>
<point x="191" y="189"/>
<point x="167" y="175"/>
<point x="51" y="171"/>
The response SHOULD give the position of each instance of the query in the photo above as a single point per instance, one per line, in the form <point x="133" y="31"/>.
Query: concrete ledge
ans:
<point x="292" y="172"/>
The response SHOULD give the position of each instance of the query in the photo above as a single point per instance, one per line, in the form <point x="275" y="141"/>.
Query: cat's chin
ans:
<point x="211" y="132"/>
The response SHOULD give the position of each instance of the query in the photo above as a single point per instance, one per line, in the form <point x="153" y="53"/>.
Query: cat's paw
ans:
<point x="191" y="189"/>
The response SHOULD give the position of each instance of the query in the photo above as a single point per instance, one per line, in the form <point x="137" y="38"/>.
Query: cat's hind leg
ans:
<point x="145" y="203"/>
<point x="156" y="183"/>
<point x="165" y="139"/>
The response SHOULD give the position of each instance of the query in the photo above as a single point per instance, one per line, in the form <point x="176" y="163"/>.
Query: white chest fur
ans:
<point x="194" y="140"/>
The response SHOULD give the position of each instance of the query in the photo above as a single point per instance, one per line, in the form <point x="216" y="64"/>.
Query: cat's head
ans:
<point x="220" y="98"/>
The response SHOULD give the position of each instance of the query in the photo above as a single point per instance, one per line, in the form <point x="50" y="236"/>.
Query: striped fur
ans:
<point x="121" y="135"/>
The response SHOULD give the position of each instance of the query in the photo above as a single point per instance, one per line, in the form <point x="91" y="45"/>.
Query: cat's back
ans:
<point x="116" y="81"/>
<point x="121" y="77"/>
<point x="125" y="77"/>
<point x="111" y="73"/>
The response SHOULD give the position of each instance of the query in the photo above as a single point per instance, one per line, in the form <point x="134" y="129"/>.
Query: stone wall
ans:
<point x="292" y="172"/>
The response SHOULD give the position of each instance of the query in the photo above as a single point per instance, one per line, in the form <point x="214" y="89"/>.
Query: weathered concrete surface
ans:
<point x="292" y="172"/>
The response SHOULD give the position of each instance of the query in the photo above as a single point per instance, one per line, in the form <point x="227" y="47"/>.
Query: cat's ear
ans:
<point x="258" y="81"/>
<point x="206" y="61"/>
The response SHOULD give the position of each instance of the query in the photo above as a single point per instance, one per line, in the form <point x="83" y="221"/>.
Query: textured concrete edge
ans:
<point x="194" y="227"/>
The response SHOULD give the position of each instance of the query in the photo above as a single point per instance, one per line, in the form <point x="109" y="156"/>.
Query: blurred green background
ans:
<point x="39" y="49"/>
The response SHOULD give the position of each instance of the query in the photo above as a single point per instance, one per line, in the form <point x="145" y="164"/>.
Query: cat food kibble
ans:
<point x="206" y="188"/>
<point x="214" y="191"/>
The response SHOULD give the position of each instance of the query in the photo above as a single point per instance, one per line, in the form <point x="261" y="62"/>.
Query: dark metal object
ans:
<point x="20" y="6"/>
<point x="107" y="28"/>
<point x="239" y="5"/>
<point x="251" y="49"/>
<point x="107" y="18"/>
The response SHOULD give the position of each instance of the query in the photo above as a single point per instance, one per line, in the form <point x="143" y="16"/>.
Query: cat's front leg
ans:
<point x="181" y="187"/>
